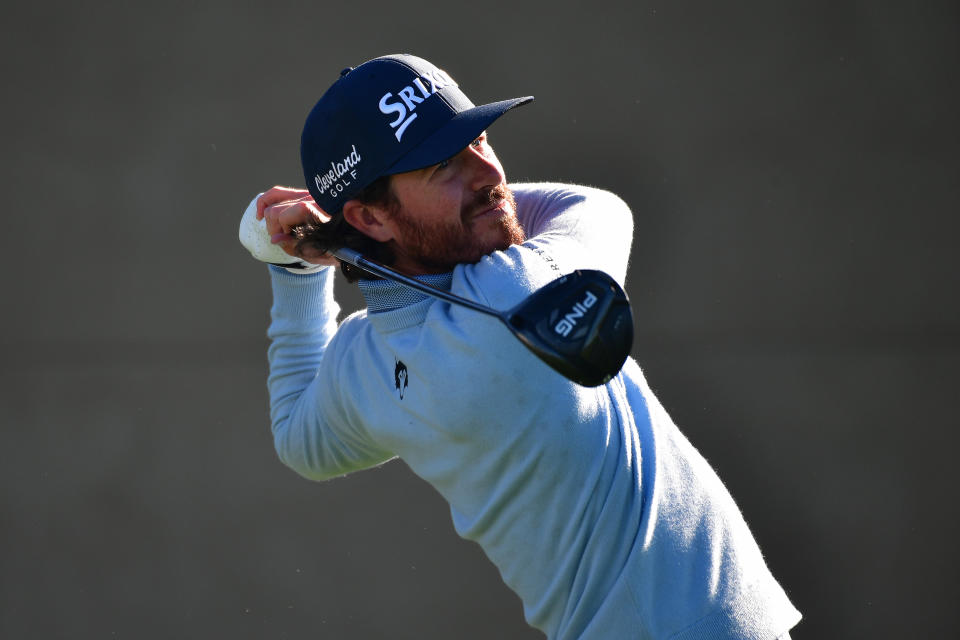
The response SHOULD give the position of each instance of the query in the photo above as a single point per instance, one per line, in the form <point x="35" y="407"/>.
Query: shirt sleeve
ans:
<point x="591" y="228"/>
<point x="310" y="435"/>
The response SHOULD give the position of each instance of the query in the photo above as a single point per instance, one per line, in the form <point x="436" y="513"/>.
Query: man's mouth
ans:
<point x="494" y="203"/>
<point x="495" y="210"/>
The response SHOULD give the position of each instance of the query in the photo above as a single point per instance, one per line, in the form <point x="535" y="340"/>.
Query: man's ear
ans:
<point x="369" y="219"/>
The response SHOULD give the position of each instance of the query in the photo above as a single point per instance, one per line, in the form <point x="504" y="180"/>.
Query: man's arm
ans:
<point x="591" y="228"/>
<point x="302" y="323"/>
<point x="307" y="436"/>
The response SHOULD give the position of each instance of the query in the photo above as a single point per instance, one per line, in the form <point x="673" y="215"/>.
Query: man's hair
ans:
<point x="338" y="233"/>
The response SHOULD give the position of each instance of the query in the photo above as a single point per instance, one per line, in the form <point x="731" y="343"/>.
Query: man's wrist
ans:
<point x="299" y="267"/>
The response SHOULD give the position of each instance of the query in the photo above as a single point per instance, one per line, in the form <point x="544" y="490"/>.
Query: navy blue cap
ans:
<point x="391" y="114"/>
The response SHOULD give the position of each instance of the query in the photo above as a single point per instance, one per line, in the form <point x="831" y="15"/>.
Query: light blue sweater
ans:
<point x="597" y="511"/>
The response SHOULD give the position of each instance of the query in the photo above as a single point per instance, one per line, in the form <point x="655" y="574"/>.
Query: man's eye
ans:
<point x="443" y="164"/>
<point x="477" y="142"/>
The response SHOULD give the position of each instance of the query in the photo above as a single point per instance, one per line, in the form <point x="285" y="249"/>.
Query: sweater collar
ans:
<point x="386" y="295"/>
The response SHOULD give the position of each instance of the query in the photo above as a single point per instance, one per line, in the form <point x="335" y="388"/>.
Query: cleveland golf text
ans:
<point x="569" y="321"/>
<point x="334" y="179"/>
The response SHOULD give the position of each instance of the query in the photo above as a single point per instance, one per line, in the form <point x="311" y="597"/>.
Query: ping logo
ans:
<point x="569" y="320"/>
<point x="407" y="99"/>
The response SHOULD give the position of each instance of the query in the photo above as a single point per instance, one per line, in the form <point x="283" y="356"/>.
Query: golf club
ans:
<point x="580" y="324"/>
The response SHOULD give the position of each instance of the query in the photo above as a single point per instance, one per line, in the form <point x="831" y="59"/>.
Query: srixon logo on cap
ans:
<point x="407" y="99"/>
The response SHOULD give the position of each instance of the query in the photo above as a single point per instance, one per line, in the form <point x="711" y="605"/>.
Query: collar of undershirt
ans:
<point x="386" y="295"/>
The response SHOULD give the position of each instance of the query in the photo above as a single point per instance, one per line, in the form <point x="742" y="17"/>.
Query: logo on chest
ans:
<point x="400" y="377"/>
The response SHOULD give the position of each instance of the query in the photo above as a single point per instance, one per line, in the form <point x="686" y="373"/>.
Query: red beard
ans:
<point x="439" y="247"/>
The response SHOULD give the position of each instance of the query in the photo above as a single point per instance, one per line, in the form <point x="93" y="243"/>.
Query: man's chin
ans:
<point x="496" y="232"/>
<point x="510" y="229"/>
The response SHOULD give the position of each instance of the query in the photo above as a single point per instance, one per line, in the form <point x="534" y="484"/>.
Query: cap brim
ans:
<point x="455" y="135"/>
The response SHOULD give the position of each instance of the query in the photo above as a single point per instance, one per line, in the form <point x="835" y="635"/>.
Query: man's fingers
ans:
<point x="280" y="194"/>
<point x="283" y="218"/>
<point x="283" y="209"/>
<point x="287" y="242"/>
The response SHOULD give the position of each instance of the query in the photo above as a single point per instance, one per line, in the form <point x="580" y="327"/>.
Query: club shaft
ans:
<point x="358" y="259"/>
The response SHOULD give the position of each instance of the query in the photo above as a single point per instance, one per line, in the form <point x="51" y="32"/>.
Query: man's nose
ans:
<point x="486" y="170"/>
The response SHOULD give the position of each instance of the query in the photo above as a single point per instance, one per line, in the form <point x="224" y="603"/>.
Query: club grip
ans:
<point x="348" y="255"/>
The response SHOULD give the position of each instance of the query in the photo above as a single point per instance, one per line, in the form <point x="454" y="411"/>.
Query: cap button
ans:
<point x="346" y="71"/>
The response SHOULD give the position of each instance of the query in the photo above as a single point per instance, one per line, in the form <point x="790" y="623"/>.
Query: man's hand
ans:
<point x="283" y="208"/>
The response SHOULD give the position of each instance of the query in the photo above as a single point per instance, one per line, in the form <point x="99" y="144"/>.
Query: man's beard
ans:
<point x="440" y="247"/>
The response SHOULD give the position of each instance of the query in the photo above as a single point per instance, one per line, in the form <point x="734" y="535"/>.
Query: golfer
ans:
<point x="597" y="511"/>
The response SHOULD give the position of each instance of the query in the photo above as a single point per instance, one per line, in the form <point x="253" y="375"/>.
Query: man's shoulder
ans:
<point x="504" y="278"/>
<point x="349" y="328"/>
<point x="535" y="191"/>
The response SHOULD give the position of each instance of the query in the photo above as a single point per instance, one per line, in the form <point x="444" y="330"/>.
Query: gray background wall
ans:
<point x="793" y="170"/>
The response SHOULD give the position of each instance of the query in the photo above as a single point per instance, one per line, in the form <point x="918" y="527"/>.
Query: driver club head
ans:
<point x="580" y="324"/>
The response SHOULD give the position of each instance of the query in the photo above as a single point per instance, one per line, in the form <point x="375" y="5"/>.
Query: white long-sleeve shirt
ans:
<point x="597" y="511"/>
